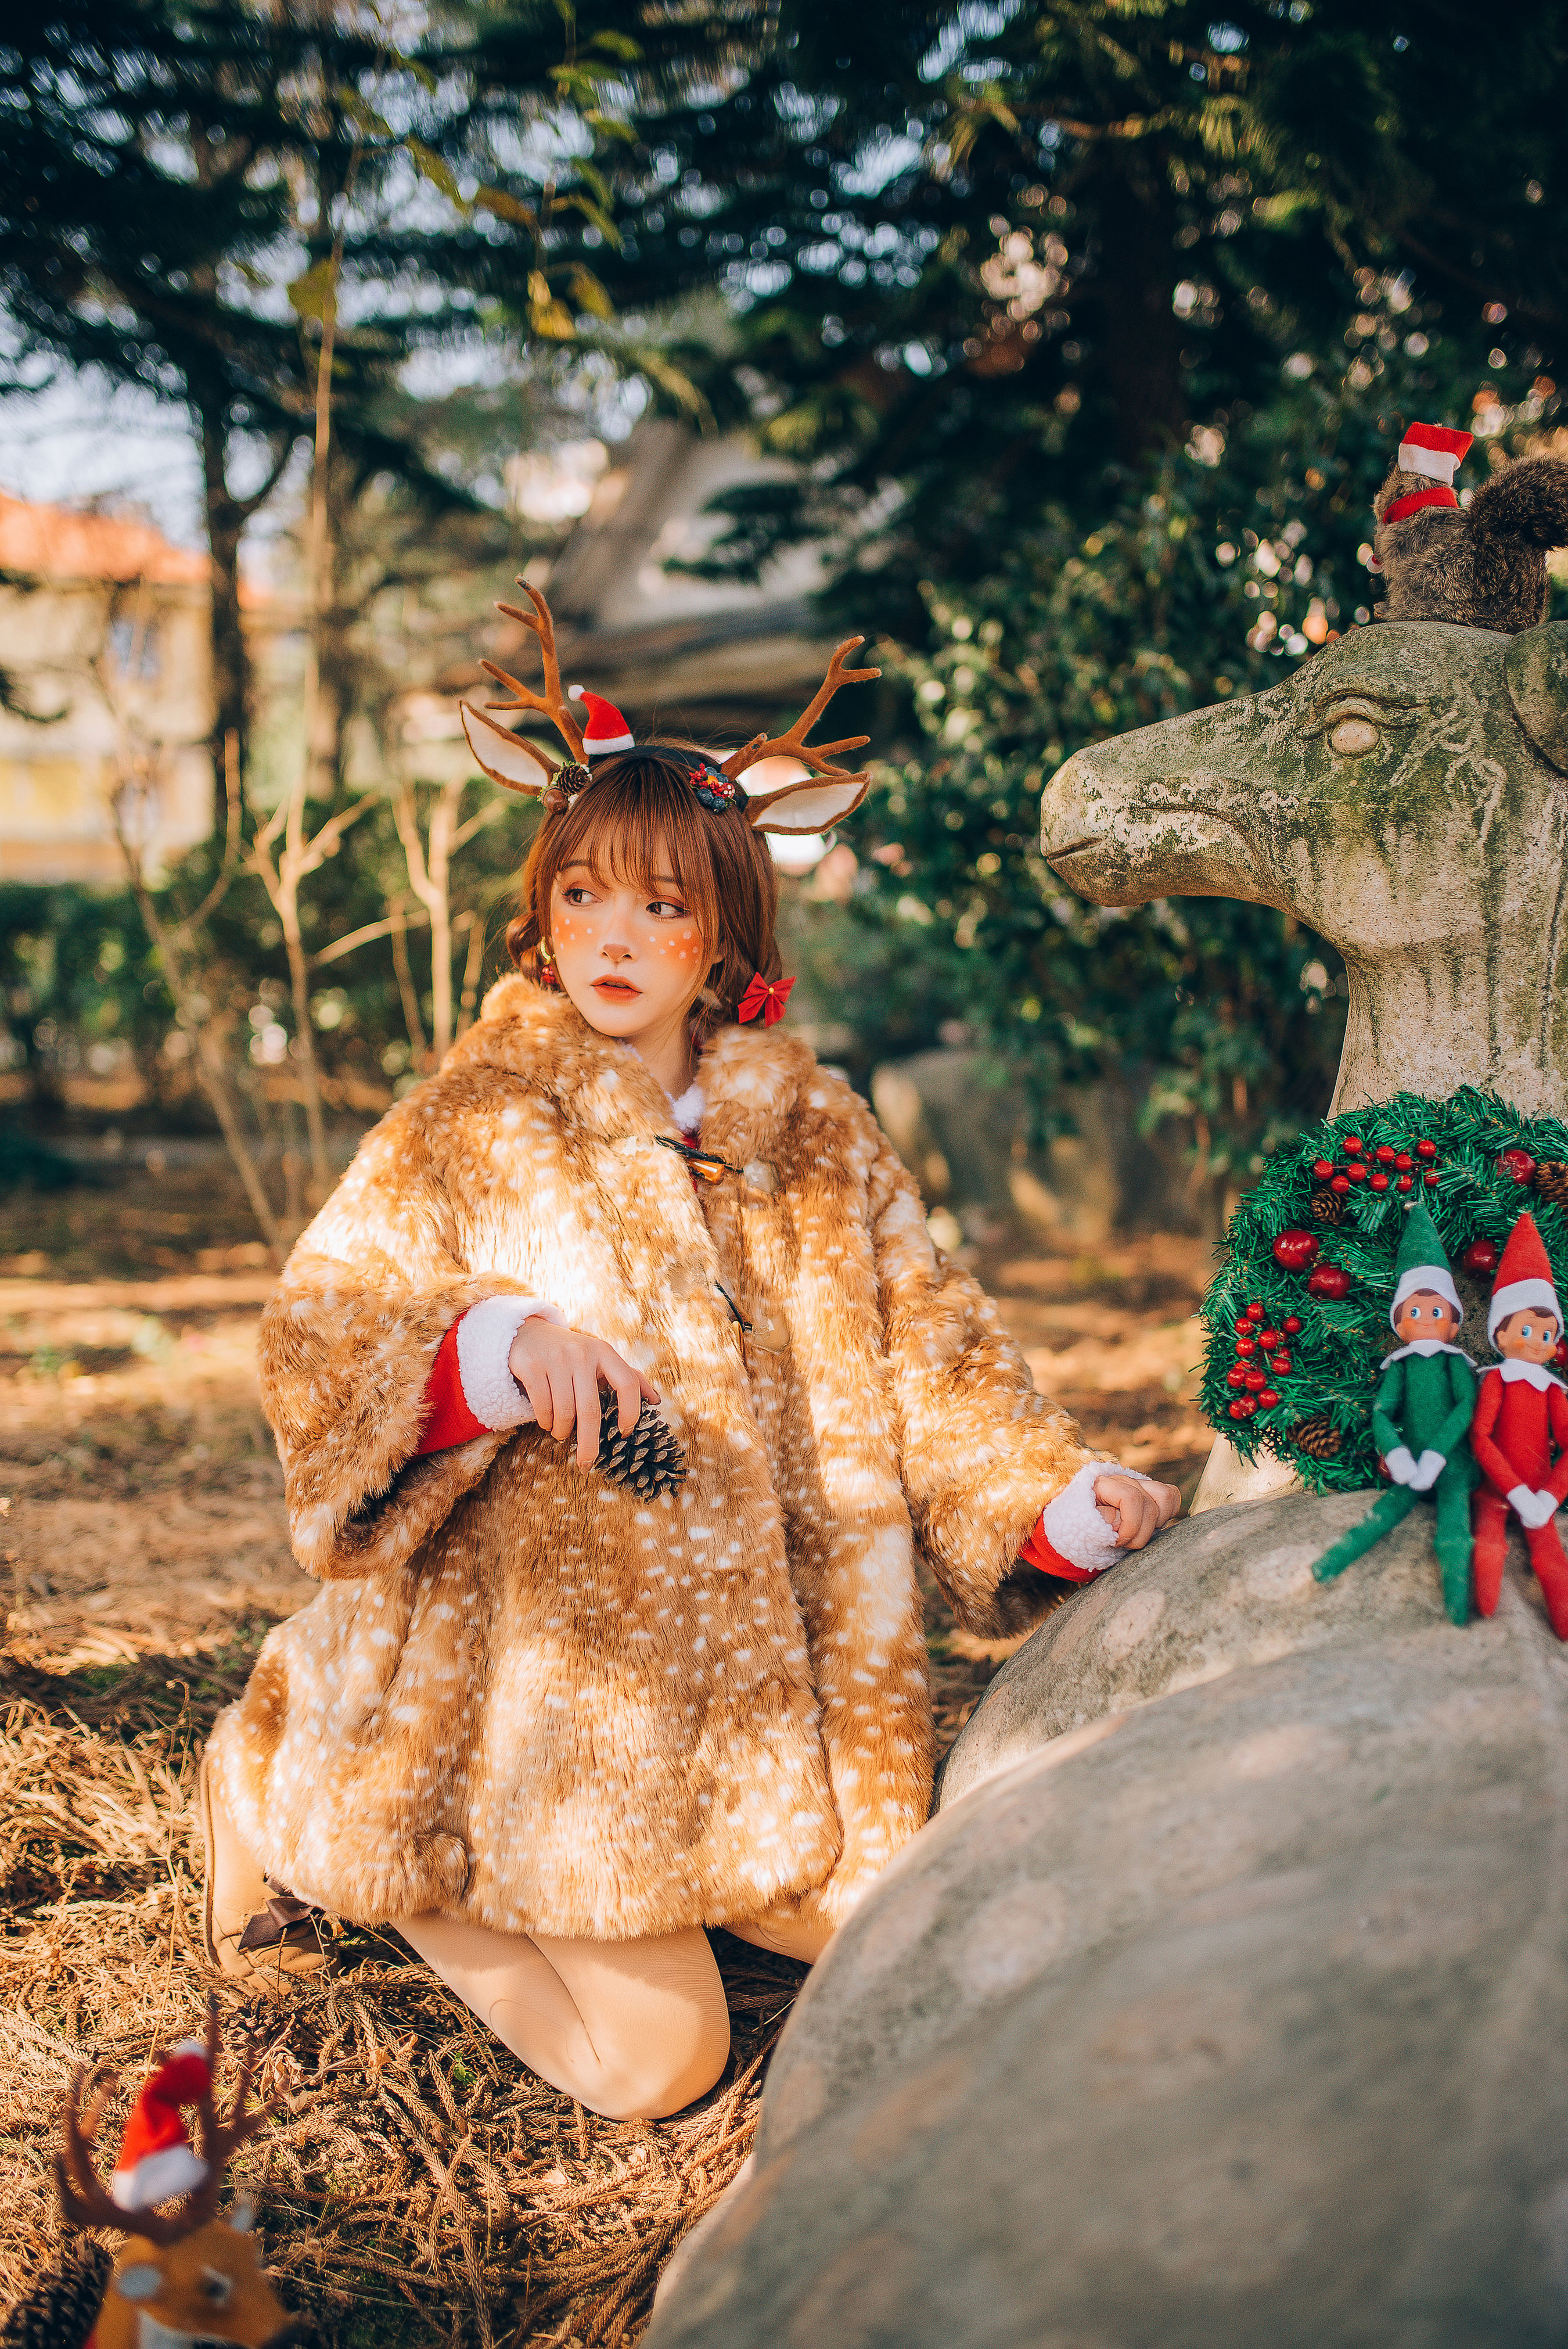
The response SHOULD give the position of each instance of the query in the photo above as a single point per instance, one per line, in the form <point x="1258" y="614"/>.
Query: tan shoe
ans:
<point x="250" y="1930"/>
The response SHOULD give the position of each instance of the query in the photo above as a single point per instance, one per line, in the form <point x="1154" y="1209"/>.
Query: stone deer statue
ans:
<point x="1405" y="793"/>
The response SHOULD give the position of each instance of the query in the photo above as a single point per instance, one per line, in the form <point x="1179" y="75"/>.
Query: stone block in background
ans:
<point x="1223" y="2003"/>
<point x="965" y="1142"/>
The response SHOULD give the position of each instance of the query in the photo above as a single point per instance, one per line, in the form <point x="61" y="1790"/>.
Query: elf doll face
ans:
<point x="1424" y="1314"/>
<point x="1528" y="1336"/>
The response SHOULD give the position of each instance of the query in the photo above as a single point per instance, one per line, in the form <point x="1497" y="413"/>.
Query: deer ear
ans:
<point x="1536" y="668"/>
<point x="814" y="805"/>
<point x="506" y="759"/>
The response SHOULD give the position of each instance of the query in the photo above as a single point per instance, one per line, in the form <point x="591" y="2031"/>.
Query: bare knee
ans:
<point x="672" y="2070"/>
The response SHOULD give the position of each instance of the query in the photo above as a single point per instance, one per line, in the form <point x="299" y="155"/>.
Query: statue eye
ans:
<point x="1353" y="735"/>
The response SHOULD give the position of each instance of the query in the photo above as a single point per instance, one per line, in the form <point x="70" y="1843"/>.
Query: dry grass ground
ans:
<point x="418" y="2185"/>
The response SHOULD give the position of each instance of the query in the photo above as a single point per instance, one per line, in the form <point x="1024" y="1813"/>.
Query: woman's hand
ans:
<point x="1135" y="1511"/>
<point x="561" y="1371"/>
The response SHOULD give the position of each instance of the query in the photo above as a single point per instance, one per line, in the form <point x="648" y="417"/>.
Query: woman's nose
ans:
<point x="616" y="950"/>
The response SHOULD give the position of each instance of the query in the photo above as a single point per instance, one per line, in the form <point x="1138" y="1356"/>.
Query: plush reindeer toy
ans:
<point x="1481" y="565"/>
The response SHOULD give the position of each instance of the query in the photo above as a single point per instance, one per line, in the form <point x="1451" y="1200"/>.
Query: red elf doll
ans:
<point x="1522" y="1414"/>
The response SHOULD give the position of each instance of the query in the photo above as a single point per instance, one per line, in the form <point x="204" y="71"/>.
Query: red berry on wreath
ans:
<point x="1235" y="1376"/>
<point x="1404" y="1183"/>
<point x="1245" y="1346"/>
<point x="1430" y="1181"/>
<point x="1517" y="1163"/>
<point x="1426" y="1149"/>
<point x="1379" y="1181"/>
<point x="1255" y="1381"/>
<point x="1292" y="1323"/>
<point x="1329" y="1281"/>
<point x="1255" y="1311"/>
<point x="1385" y="1154"/>
<point x="1242" y="1409"/>
<point x="1358" y="1172"/>
<point x="1293" y="1251"/>
<point x="1481" y="1256"/>
<point x="1404" y="1161"/>
<point x="1352" y="1145"/>
<point x="1244" y="1328"/>
<point x="1267" y="1400"/>
<point x="1560" y="1357"/>
<point x="1280" y="1365"/>
<point x="1341" y="1184"/>
<point x="1268" y="1340"/>
<point x="1323" y="1168"/>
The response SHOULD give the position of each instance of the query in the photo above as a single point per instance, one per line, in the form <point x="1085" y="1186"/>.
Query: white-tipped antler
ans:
<point x="827" y="794"/>
<point x="510" y="759"/>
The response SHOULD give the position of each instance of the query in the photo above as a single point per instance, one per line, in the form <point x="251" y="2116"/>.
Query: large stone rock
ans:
<point x="1222" y="2003"/>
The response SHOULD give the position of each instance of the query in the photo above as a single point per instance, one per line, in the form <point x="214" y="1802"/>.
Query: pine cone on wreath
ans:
<point x="62" y="2307"/>
<point x="1327" y="1207"/>
<point x="1551" y="1180"/>
<point x="1318" y="1437"/>
<point x="649" y="1461"/>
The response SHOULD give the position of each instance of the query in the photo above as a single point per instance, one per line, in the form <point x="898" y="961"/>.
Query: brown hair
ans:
<point x="637" y="801"/>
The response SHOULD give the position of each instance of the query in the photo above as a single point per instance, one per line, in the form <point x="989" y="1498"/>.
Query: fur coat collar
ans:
<point x="527" y="1697"/>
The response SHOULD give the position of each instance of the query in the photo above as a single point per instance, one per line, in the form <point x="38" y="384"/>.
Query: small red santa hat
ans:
<point x="606" y="730"/>
<point x="1523" y="1277"/>
<point x="1434" y="450"/>
<point x="156" y="2162"/>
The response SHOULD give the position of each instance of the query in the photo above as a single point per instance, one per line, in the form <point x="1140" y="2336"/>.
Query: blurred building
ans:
<point x="106" y="673"/>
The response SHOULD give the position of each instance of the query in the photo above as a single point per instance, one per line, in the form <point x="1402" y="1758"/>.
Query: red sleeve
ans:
<point x="449" y="1420"/>
<point x="1037" y="1551"/>
<point x="1493" y="1465"/>
<point x="1557" y="1405"/>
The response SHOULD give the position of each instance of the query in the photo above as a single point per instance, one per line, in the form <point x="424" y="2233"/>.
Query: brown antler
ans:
<point x="86" y="2202"/>
<point x="817" y="757"/>
<point x="552" y="703"/>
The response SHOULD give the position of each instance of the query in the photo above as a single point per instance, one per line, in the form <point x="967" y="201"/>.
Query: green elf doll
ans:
<point x="1421" y="1417"/>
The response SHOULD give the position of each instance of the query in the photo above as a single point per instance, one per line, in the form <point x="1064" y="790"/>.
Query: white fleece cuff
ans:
<point x="1072" y="1523"/>
<point x="485" y="1333"/>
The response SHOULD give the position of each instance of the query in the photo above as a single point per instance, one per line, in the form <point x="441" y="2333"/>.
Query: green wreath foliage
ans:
<point x="1321" y="1422"/>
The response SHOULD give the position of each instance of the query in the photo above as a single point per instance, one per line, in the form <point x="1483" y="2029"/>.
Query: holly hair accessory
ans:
<point x="767" y="996"/>
<point x="815" y="803"/>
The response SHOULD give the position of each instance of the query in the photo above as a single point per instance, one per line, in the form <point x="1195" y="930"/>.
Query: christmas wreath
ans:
<point x="1296" y="1321"/>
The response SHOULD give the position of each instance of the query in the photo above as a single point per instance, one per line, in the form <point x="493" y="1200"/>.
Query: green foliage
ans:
<point x="1335" y="1354"/>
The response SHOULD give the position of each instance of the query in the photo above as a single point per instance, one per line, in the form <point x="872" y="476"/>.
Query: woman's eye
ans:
<point x="666" y="907"/>
<point x="1353" y="735"/>
<point x="578" y="896"/>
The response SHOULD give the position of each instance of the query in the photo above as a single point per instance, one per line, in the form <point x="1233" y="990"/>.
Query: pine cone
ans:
<point x="62" y="2307"/>
<point x="1317" y="1437"/>
<point x="649" y="1461"/>
<point x="1327" y="1208"/>
<point x="1551" y="1180"/>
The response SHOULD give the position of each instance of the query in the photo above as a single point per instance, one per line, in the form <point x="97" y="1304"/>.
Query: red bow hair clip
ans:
<point x="767" y="995"/>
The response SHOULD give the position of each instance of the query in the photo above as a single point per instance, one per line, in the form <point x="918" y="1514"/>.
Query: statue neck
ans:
<point x="1426" y="1019"/>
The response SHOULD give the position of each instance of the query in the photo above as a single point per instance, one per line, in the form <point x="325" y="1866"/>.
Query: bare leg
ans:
<point x="633" y="2030"/>
<point x="786" y="1938"/>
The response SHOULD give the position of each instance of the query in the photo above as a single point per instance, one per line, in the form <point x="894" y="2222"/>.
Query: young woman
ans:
<point x="548" y="1725"/>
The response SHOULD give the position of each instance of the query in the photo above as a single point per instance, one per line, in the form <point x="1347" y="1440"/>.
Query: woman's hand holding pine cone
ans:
<point x="561" y="1371"/>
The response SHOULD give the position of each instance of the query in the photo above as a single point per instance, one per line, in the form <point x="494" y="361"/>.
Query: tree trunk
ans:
<point x="1138" y="335"/>
<point x="226" y="518"/>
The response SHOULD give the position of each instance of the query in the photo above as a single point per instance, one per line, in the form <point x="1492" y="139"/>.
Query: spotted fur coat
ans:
<point x="524" y="1696"/>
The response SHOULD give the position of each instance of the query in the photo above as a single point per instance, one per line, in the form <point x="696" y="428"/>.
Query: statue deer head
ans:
<point x="1406" y="794"/>
<point x="183" y="2275"/>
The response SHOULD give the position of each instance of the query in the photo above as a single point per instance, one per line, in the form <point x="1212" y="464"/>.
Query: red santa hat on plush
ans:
<point x="606" y="730"/>
<point x="1523" y="1277"/>
<point x="156" y="2162"/>
<point x="1437" y="452"/>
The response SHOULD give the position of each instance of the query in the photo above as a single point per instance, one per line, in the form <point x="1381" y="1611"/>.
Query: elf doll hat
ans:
<point x="156" y="2162"/>
<point x="1523" y="1277"/>
<point x="1421" y="1264"/>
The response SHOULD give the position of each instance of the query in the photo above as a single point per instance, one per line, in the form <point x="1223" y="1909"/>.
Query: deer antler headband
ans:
<point x="817" y="801"/>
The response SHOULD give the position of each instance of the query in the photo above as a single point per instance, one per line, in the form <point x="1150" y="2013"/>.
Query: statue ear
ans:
<point x="1536" y="668"/>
